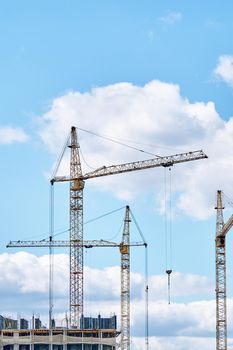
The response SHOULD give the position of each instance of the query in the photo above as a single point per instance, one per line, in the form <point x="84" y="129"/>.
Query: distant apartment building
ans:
<point x="7" y="323"/>
<point x="98" y="322"/>
<point x="38" y="324"/>
<point x="23" y="324"/>
<point x="1" y="322"/>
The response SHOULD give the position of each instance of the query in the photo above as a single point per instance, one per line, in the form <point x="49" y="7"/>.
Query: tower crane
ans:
<point x="77" y="182"/>
<point x="124" y="248"/>
<point x="221" y="298"/>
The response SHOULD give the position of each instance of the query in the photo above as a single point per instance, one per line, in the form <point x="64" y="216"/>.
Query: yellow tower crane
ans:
<point x="77" y="181"/>
<point x="221" y="297"/>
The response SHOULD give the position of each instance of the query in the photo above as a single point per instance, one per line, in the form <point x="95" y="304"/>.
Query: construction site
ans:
<point x="97" y="333"/>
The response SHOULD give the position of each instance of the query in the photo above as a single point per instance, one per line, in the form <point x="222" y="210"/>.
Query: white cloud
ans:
<point x="182" y="285"/>
<point x="224" y="69"/>
<point x="157" y="118"/>
<point x="175" y="343"/>
<point x="24" y="276"/>
<point x="171" y="17"/>
<point x="29" y="274"/>
<point x="176" y="326"/>
<point x="10" y="134"/>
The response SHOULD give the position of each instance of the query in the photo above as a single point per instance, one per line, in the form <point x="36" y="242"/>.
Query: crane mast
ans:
<point x="125" y="283"/>
<point x="76" y="179"/>
<point x="220" y="251"/>
<point x="76" y="233"/>
<point x="221" y="298"/>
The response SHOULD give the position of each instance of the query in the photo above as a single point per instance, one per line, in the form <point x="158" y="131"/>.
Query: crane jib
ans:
<point x="136" y="166"/>
<point x="63" y="244"/>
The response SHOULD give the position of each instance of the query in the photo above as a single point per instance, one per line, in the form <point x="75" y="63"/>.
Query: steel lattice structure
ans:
<point x="221" y="322"/>
<point x="166" y="161"/>
<point x="62" y="244"/>
<point x="221" y="297"/>
<point x="125" y="284"/>
<point x="76" y="233"/>
<point x="77" y="179"/>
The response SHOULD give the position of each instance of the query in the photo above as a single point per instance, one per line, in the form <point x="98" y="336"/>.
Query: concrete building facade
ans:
<point x="58" y="339"/>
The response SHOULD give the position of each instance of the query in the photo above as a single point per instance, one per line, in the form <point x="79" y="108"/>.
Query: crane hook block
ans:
<point x="169" y="285"/>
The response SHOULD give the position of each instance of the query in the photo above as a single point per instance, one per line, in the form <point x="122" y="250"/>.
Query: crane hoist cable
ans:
<point x="168" y="229"/>
<point x="171" y="216"/>
<point x="146" y="300"/>
<point x="51" y="257"/>
<point x="88" y="297"/>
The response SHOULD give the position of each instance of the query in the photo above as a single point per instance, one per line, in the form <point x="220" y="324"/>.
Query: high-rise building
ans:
<point x="23" y="323"/>
<point x="7" y="323"/>
<point x="98" y="322"/>
<point x="38" y="323"/>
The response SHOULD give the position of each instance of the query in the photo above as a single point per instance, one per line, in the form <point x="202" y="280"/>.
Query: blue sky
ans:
<point x="157" y="75"/>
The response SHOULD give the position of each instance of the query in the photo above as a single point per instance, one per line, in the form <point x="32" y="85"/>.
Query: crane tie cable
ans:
<point x="118" y="142"/>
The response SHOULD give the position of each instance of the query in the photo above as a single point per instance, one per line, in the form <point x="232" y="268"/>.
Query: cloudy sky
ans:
<point x="157" y="78"/>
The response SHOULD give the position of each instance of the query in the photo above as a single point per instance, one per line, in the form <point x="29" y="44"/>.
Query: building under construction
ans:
<point x="58" y="339"/>
<point x="95" y="334"/>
